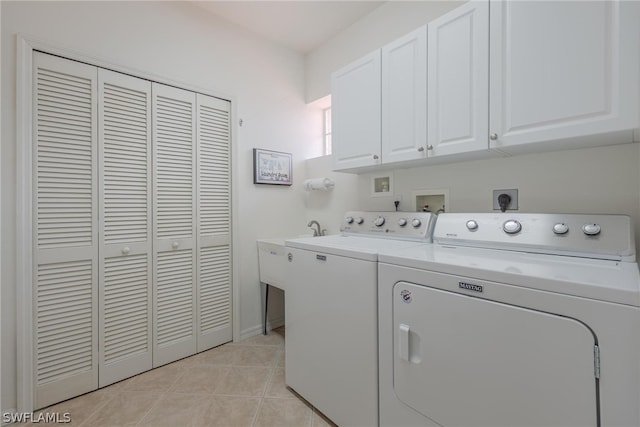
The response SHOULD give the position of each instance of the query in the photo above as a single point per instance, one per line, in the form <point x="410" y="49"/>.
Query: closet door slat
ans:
<point x="126" y="222"/>
<point x="214" y="222"/>
<point x="65" y="199"/>
<point x="174" y="160"/>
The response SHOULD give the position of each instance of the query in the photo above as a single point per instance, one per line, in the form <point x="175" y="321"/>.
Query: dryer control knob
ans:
<point x="561" y="228"/>
<point x="379" y="222"/>
<point x="416" y="223"/>
<point x="512" y="226"/>
<point x="349" y="220"/>
<point x="359" y="220"/>
<point x="591" y="229"/>
<point x="402" y="222"/>
<point x="472" y="225"/>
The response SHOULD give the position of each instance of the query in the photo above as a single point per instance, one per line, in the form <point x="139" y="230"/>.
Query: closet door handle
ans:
<point x="175" y="245"/>
<point x="126" y="250"/>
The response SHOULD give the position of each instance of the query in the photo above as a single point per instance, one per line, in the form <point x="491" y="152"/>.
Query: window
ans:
<point x="327" y="131"/>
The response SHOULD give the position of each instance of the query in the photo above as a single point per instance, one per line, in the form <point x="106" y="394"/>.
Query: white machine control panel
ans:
<point x="397" y="225"/>
<point x="591" y="236"/>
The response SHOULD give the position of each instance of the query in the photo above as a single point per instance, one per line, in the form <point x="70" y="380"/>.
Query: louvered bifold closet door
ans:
<point x="174" y="154"/>
<point x="214" y="225"/>
<point x="65" y="227"/>
<point x="124" y="103"/>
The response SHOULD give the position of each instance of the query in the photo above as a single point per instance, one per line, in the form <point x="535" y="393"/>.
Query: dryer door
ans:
<point x="466" y="361"/>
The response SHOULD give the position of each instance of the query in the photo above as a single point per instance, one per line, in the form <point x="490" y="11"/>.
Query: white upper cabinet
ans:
<point x="493" y="77"/>
<point x="355" y="111"/>
<point x="404" y="98"/>
<point x="563" y="71"/>
<point x="458" y="82"/>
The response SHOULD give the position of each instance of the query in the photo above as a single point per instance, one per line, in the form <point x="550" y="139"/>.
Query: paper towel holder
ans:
<point x="321" y="184"/>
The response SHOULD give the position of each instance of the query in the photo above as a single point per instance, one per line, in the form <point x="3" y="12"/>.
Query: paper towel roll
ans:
<point x="323" y="184"/>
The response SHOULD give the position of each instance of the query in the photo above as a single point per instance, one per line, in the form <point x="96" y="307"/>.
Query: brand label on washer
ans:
<point x="406" y="296"/>
<point x="470" y="287"/>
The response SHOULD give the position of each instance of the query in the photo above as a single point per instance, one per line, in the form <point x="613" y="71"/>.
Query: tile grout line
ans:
<point x="159" y="399"/>
<point x="96" y="409"/>
<point x="273" y="368"/>
<point x="181" y="370"/>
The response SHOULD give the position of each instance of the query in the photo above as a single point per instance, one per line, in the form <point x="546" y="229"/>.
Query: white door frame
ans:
<point x="24" y="198"/>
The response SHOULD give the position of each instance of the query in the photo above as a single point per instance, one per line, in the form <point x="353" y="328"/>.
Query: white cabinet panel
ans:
<point x="459" y="80"/>
<point x="561" y="70"/>
<point x="404" y="98"/>
<point x="355" y="112"/>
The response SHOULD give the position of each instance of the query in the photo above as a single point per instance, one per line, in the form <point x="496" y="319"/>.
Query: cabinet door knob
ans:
<point x="421" y="149"/>
<point x="429" y="147"/>
<point x="375" y="157"/>
<point x="493" y="136"/>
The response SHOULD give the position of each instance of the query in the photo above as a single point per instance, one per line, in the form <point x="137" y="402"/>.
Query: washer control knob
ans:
<point x="402" y="222"/>
<point x="561" y="228"/>
<point x="416" y="223"/>
<point x="591" y="229"/>
<point x="349" y="220"/>
<point x="472" y="225"/>
<point x="379" y="222"/>
<point x="511" y="226"/>
<point x="359" y="220"/>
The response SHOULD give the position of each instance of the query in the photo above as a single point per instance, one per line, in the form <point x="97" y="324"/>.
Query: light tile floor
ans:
<point x="236" y="384"/>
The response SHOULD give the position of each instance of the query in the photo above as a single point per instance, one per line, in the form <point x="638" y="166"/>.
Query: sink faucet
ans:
<point x="316" y="231"/>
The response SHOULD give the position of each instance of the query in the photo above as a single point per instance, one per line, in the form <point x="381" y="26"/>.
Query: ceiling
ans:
<point x="300" y="25"/>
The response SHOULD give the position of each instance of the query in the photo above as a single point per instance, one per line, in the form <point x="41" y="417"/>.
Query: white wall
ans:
<point x="180" y="42"/>
<point x="383" y="25"/>
<point x="592" y="180"/>
<point x="327" y="207"/>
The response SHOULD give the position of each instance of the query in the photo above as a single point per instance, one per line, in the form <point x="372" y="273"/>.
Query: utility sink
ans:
<point x="271" y="262"/>
<point x="271" y="266"/>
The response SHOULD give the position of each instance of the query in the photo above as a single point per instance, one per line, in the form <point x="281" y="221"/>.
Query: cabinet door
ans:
<point x="214" y="222"/>
<point x="562" y="70"/>
<point x="124" y="105"/>
<point x="355" y="112"/>
<point x="65" y="229"/>
<point x="174" y="273"/>
<point x="404" y="98"/>
<point x="459" y="80"/>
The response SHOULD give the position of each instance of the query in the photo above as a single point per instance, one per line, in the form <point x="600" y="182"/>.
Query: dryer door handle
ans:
<point x="403" y="342"/>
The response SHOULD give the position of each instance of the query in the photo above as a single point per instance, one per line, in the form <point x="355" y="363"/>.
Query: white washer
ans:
<point x="331" y="311"/>
<point x="512" y="320"/>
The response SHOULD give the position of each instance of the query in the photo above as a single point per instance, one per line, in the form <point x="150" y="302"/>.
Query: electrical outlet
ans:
<point x="513" y="193"/>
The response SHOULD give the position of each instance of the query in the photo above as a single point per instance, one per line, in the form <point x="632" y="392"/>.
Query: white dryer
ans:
<point x="512" y="320"/>
<point x="331" y="311"/>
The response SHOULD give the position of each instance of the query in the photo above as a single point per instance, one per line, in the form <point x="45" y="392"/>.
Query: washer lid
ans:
<point x="365" y="248"/>
<point x="603" y="280"/>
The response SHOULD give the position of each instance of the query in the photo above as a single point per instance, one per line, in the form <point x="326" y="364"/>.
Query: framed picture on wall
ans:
<point x="272" y="167"/>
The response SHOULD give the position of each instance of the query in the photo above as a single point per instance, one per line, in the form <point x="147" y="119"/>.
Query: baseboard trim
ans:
<point x="257" y="329"/>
